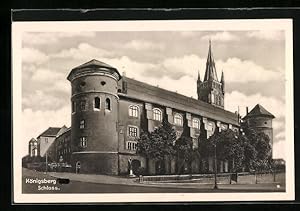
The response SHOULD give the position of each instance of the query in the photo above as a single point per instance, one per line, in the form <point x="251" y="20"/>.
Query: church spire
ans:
<point x="210" y="72"/>
<point x="223" y="82"/>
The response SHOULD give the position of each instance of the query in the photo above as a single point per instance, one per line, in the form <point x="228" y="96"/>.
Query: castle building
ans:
<point x="109" y="111"/>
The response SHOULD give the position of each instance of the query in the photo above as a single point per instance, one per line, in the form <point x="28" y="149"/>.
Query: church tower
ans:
<point x="211" y="90"/>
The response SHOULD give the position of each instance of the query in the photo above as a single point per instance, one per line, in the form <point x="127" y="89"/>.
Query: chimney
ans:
<point x="247" y="110"/>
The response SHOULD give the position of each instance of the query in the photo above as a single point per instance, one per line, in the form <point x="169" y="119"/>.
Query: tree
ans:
<point x="158" y="144"/>
<point x="259" y="156"/>
<point x="185" y="152"/>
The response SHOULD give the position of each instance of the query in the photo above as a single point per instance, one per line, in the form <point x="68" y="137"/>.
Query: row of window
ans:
<point x="157" y="115"/>
<point x="64" y="151"/>
<point x="96" y="105"/>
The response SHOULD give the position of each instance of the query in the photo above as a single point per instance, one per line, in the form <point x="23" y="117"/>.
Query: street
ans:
<point x="98" y="187"/>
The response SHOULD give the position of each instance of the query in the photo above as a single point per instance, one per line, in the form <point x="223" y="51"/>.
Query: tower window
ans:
<point x="196" y="123"/>
<point x="103" y="83"/>
<point x="107" y="104"/>
<point x="83" y="142"/>
<point x="82" y="124"/>
<point x="83" y="105"/>
<point x="73" y="106"/>
<point x="157" y="114"/>
<point x="178" y="120"/>
<point x="133" y="111"/>
<point x="132" y="131"/>
<point x="97" y="103"/>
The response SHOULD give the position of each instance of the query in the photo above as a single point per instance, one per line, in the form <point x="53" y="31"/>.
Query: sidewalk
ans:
<point x="105" y="179"/>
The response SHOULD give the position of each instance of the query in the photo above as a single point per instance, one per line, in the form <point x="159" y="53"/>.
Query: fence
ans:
<point x="222" y="178"/>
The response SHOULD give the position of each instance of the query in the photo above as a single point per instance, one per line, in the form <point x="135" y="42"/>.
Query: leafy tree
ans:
<point x="157" y="144"/>
<point x="185" y="152"/>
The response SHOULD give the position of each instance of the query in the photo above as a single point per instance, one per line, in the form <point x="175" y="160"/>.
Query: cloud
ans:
<point x="266" y="35"/>
<point x="278" y="123"/>
<point x="142" y="45"/>
<point x="221" y="36"/>
<point x="40" y="100"/>
<point x="237" y="70"/>
<point x="46" y="75"/>
<point x="33" y="56"/>
<point x="83" y="52"/>
<point x="35" y="122"/>
<point x="280" y="136"/>
<point x="279" y="148"/>
<point x="38" y="38"/>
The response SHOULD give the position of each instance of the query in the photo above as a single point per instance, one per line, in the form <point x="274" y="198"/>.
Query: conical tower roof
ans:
<point x="93" y="66"/>
<point x="259" y="110"/>
<point x="210" y="72"/>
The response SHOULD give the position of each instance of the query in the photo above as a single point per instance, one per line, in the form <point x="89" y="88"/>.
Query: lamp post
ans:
<point x="216" y="185"/>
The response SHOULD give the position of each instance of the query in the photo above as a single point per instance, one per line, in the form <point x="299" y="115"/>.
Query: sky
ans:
<point x="253" y="63"/>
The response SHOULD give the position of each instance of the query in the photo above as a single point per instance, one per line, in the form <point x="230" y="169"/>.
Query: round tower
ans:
<point x="94" y="100"/>
<point x="260" y="119"/>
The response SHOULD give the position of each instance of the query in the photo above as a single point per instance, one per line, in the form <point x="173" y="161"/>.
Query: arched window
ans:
<point x="107" y="104"/>
<point x="157" y="114"/>
<point x="133" y="111"/>
<point x="97" y="103"/>
<point x="178" y="120"/>
<point x="196" y="123"/>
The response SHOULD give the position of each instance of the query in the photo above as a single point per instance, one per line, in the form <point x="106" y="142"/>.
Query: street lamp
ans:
<point x="216" y="185"/>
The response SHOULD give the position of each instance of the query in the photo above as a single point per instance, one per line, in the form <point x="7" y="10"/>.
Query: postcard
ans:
<point x="153" y="111"/>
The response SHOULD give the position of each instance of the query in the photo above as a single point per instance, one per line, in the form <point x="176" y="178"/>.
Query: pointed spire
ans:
<point x="222" y="77"/>
<point x="210" y="72"/>
<point x="199" y="79"/>
<point x="223" y="82"/>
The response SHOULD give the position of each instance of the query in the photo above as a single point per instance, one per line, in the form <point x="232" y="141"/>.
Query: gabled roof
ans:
<point x="259" y="110"/>
<point x="32" y="140"/>
<point x="210" y="72"/>
<point x="93" y="66"/>
<point x="50" y="132"/>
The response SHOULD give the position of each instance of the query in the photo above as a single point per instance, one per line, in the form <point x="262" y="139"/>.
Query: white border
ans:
<point x="18" y="28"/>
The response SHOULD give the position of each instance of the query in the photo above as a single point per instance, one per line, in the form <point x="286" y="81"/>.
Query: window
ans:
<point x="131" y="145"/>
<point x="157" y="114"/>
<point x="212" y="98"/>
<point x="73" y="106"/>
<point x="196" y="123"/>
<point x="107" y="104"/>
<point x="82" y="124"/>
<point x="97" y="103"/>
<point x="83" y="142"/>
<point x="178" y="120"/>
<point x="82" y="105"/>
<point x="133" y="111"/>
<point x="132" y="131"/>
<point x="46" y="140"/>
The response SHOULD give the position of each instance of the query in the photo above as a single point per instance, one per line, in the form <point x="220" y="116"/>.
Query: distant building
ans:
<point x="109" y="111"/>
